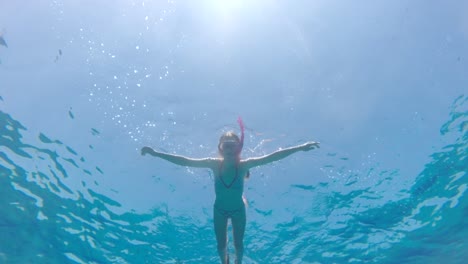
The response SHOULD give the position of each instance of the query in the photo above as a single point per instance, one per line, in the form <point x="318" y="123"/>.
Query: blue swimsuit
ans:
<point x="237" y="183"/>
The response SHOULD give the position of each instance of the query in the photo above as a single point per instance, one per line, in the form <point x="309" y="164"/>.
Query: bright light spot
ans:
<point x="227" y="5"/>
<point x="227" y="16"/>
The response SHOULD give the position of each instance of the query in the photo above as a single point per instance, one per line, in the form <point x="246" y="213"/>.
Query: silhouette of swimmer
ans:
<point x="57" y="57"/>
<point x="2" y="41"/>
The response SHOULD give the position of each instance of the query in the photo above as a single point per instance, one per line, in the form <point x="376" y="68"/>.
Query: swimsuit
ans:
<point x="224" y="212"/>
<point x="221" y="176"/>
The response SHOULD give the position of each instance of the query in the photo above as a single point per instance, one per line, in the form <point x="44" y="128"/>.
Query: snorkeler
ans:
<point x="2" y="40"/>
<point x="229" y="172"/>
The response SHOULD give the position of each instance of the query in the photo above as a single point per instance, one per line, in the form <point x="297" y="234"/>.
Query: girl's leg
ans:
<point x="220" y="226"/>
<point x="238" y="229"/>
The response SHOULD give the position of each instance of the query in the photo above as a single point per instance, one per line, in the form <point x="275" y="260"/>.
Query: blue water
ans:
<point x="382" y="86"/>
<point x="45" y="221"/>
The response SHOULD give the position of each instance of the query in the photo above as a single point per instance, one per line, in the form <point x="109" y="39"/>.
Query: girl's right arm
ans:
<point x="181" y="160"/>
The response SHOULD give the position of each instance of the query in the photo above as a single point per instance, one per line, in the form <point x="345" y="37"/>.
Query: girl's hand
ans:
<point x="146" y="150"/>
<point x="310" y="145"/>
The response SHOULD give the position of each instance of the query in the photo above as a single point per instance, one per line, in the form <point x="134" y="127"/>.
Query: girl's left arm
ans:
<point x="279" y="154"/>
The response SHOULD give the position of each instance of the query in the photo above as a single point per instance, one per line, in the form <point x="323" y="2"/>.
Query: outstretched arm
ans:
<point x="180" y="160"/>
<point x="280" y="154"/>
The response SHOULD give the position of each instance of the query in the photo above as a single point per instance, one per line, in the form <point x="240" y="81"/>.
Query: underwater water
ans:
<point x="84" y="85"/>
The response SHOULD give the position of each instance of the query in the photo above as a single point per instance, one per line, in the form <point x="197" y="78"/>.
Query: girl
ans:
<point x="229" y="172"/>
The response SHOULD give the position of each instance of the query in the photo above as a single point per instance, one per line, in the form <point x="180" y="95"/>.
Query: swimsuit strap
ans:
<point x="221" y="176"/>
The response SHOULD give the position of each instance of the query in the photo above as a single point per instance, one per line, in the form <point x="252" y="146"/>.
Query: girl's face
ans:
<point x="230" y="148"/>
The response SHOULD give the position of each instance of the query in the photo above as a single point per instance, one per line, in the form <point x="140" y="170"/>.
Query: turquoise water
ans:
<point x="43" y="220"/>
<point x="382" y="86"/>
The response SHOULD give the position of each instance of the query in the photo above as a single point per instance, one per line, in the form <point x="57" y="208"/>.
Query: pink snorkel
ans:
<point x="241" y="125"/>
<point x="241" y="144"/>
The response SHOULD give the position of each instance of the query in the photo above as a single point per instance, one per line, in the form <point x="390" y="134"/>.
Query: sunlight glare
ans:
<point x="227" y="6"/>
<point x="226" y="14"/>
